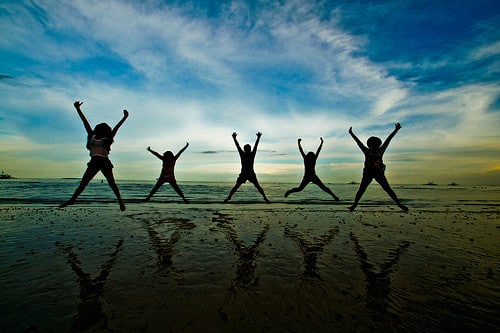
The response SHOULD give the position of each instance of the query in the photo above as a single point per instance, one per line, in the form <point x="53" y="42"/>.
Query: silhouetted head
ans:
<point x="247" y="148"/>
<point x="373" y="142"/>
<point x="310" y="155"/>
<point x="168" y="155"/>
<point x="103" y="130"/>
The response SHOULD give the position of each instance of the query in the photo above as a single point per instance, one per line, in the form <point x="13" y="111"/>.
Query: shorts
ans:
<point x="373" y="173"/>
<point x="167" y="178"/>
<point x="100" y="163"/>
<point x="244" y="177"/>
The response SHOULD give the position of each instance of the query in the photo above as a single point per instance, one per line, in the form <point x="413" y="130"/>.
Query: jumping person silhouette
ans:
<point x="374" y="168"/>
<point x="99" y="142"/>
<point x="247" y="156"/>
<point x="167" y="171"/>
<point x="310" y="172"/>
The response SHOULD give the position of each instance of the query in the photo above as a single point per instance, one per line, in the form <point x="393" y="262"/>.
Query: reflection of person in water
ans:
<point x="167" y="172"/>
<point x="374" y="167"/>
<point x="247" y="156"/>
<point x="311" y="249"/>
<point x="310" y="172"/>
<point x="90" y="316"/>
<point x="99" y="142"/>
<point x="378" y="280"/>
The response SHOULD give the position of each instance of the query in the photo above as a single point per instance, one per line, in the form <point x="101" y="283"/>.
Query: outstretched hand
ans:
<point x="77" y="104"/>
<point x="397" y="126"/>
<point x="350" y="130"/>
<point x="299" y="140"/>
<point x="234" y="134"/>
<point x="259" y="134"/>
<point x="149" y="148"/>
<point x="321" y="139"/>
<point x="125" y="113"/>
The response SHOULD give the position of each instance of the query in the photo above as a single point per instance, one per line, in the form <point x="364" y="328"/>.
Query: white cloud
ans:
<point x="486" y="51"/>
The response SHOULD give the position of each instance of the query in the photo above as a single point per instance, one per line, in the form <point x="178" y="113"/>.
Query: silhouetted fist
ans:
<point x="234" y="135"/>
<point x="350" y="130"/>
<point x="77" y="104"/>
<point x="299" y="139"/>
<point x="125" y="113"/>
<point x="397" y="125"/>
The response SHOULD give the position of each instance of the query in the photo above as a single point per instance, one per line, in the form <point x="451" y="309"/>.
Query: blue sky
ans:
<point x="198" y="70"/>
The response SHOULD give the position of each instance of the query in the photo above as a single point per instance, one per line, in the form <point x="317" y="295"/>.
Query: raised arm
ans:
<point x="319" y="147"/>
<point x="397" y="127"/>
<point x="125" y="116"/>
<point x="259" y="134"/>
<point x="77" y="105"/>
<point x="181" y="151"/>
<point x="154" y="153"/>
<point x="300" y="148"/>
<point x="236" y="142"/>
<point x="360" y="144"/>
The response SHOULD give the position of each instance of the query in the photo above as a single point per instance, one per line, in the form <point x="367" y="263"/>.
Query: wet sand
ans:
<point x="248" y="267"/>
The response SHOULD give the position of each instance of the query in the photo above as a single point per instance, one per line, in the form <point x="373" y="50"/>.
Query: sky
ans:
<point x="197" y="71"/>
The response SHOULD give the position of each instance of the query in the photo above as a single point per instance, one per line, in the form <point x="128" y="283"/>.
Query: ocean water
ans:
<point x="55" y="191"/>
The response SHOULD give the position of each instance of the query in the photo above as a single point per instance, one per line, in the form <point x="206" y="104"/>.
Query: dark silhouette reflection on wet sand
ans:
<point x="312" y="303"/>
<point x="378" y="287"/>
<point x="311" y="249"/>
<point x="165" y="248"/>
<point x="245" y="264"/>
<point x="90" y="314"/>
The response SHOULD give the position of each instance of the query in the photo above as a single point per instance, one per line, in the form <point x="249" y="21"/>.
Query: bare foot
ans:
<point x="67" y="203"/>
<point x="403" y="207"/>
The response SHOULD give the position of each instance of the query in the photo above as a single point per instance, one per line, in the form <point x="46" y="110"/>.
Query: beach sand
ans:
<point x="248" y="267"/>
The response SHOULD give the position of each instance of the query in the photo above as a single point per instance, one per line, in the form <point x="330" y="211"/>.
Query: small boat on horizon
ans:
<point x="5" y="176"/>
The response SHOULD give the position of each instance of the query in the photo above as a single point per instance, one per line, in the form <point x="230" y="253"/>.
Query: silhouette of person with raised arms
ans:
<point x="247" y="156"/>
<point x="99" y="142"/>
<point x="374" y="168"/>
<point x="310" y="171"/>
<point x="167" y="171"/>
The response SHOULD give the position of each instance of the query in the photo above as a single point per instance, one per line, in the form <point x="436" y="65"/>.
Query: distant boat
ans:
<point x="5" y="176"/>
<point x="352" y="182"/>
<point x="453" y="184"/>
<point x="430" y="184"/>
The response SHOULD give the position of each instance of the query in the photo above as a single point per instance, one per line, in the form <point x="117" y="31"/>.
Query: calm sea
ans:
<point x="55" y="191"/>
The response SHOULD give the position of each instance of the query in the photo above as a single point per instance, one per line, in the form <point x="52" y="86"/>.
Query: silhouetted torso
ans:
<point x="373" y="160"/>
<point x="247" y="161"/>
<point x="168" y="168"/>
<point x="309" y="165"/>
<point x="98" y="146"/>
